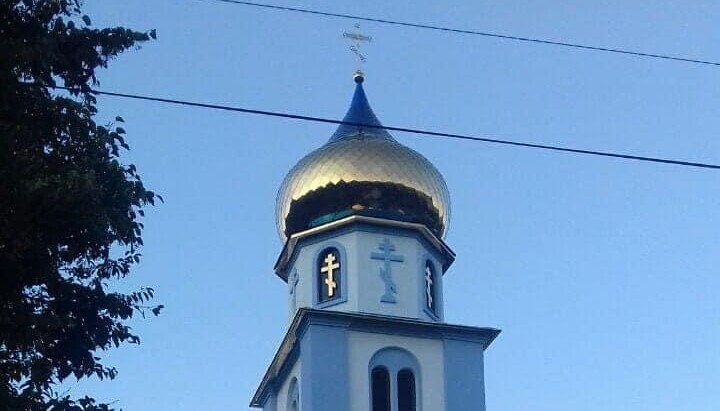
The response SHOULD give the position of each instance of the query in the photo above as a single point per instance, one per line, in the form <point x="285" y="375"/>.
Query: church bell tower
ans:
<point x="363" y="219"/>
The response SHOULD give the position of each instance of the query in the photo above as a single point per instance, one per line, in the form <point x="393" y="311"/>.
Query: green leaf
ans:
<point x="71" y="194"/>
<point x="156" y="310"/>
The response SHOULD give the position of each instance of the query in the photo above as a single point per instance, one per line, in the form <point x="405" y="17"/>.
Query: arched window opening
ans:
<point x="406" y="390"/>
<point x="329" y="275"/>
<point x="380" y="380"/>
<point x="395" y="380"/>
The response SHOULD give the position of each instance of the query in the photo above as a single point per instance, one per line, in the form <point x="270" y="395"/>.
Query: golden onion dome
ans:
<point x="362" y="169"/>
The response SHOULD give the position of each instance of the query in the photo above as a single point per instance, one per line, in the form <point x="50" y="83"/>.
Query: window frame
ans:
<point x="436" y="312"/>
<point x="341" y="296"/>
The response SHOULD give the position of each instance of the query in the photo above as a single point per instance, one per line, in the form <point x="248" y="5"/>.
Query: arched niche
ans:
<point x="293" y="396"/>
<point x="402" y="371"/>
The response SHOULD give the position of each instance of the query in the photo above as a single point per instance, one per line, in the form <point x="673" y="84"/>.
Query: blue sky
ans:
<point x="602" y="273"/>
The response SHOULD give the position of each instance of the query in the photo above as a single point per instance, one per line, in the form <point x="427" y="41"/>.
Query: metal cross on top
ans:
<point x="330" y="266"/>
<point x="387" y="256"/>
<point x="356" y="39"/>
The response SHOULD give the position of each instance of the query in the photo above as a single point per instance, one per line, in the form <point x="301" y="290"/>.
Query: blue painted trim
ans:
<point x="437" y="314"/>
<point x="287" y="366"/>
<point x="293" y="282"/>
<point x="306" y="319"/>
<point x="360" y="113"/>
<point x="270" y="404"/>
<point x="440" y="293"/>
<point x="342" y="298"/>
<point x="324" y="371"/>
<point x="464" y="376"/>
<point x="366" y="228"/>
<point x="271" y="391"/>
<point x="310" y="320"/>
<point x="396" y="359"/>
<point x="268" y="396"/>
<point x="380" y="324"/>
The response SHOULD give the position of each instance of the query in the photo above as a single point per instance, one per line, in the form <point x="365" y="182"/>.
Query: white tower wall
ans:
<point x="362" y="287"/>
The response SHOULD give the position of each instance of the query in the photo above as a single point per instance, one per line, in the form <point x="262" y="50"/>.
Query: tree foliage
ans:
<point x="70" y="210"/>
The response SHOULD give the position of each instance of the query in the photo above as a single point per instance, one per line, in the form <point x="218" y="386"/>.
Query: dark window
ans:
<point x="328" y="275"/>
<point x="380" y="389"/>
<point x="430" y="287"/>
<point x="406" y="390"/>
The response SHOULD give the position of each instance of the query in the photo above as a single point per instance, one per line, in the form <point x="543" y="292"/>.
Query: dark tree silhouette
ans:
<point x="69" y="208"/>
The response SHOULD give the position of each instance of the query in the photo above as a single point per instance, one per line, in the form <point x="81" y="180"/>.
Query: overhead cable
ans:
<point x="416" y="131"/>
<point x="474" y="32"/>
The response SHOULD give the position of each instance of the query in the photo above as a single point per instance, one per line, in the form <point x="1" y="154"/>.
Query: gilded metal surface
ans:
<point x="363" y="159"/>
<point x="369" y="155"/>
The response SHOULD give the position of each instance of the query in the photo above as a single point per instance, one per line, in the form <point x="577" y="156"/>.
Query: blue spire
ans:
<point x="360" y="113"/>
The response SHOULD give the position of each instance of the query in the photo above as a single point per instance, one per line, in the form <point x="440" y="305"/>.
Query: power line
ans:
<point x="402" y="129"/>
<point x="474" y="32"/>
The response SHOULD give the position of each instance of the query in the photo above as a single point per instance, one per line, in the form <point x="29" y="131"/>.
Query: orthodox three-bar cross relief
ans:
<point x="428" y="287"/>
<point x="331" y="264"/>
<point x="357" y="38"/>
<point x="387" y="256"/>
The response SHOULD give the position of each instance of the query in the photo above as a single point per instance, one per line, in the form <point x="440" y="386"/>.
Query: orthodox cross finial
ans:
<point x="329" y="268"/>
<point x="356" y="38"/>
